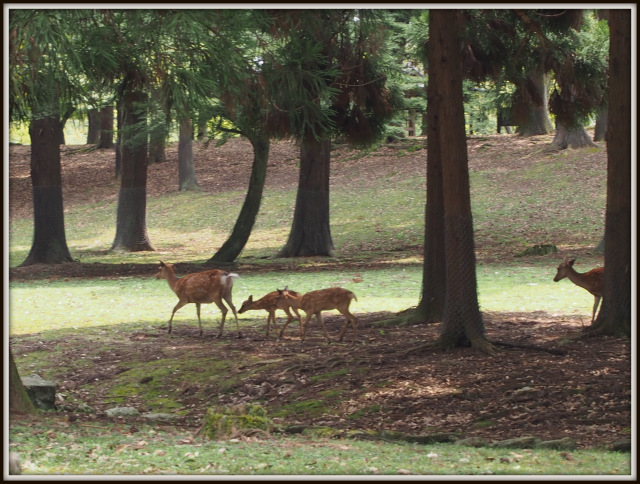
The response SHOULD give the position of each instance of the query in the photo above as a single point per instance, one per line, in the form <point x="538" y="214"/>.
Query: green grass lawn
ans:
<point x="53" y="448"/>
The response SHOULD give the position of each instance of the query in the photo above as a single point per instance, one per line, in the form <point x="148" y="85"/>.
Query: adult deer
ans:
<point x="270" y="302"/>
<point x="314" y="302"/>
<point x="201" y="288"/>
<point x="592" y="281"/>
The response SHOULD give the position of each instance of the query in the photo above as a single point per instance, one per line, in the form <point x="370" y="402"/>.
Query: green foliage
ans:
<point x="227" y="422"/>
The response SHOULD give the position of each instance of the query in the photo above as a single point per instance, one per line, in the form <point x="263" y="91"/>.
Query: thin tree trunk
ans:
<point x="615" y="315"/>
<point x="49" y="240"/>
<point x="236" y="242"/>
<point x="602" y="120"/>
<point x="186" y="171"/>
<point x="310" y="233"/>
<point x="462" y="323"/>
<point x="131" y="227"/>
<point x="118" y="158"/>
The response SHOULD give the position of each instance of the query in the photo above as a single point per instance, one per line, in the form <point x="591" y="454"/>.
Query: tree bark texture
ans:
<point x="236" y="242"/>
<point x="19" y="400"/>
<point x="600" y="131"/>
<point x="49" y="240"/>
<point x="310" y="232"/>
<point x="431" y="305"/>
<point x="106" y="128"/>
<point x="615" y="315"/>
<point x="462" y="321"/>
<point x="571" y="137"/>
<point x="93" y="134"/>
<point x="186" y="171"/>
<point x="531" y="107"/>
<point x="131" y="226"/>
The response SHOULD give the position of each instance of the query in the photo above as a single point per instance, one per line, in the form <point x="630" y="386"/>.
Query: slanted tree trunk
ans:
<point x="63" y="121"/>
<point x="131" y="225"/>
<point x="49" y="240"/>
<point x="236" y="242"/>
<point x="310" y="233"/>
<point x="462" y="321"/>
<point x="19" y="400"/>
<point x="106" y="128"/>
<point x="186" y="171"/>
<point x="571" y="137"/>
<point x="615" y="315"/>
<point x="531" y="105"/>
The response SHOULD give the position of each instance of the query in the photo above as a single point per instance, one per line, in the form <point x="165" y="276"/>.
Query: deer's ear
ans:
<point x="161" y="264"/>
<point x="571" y="262"/>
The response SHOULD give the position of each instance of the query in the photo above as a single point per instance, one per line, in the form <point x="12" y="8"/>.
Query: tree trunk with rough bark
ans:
<point x="93" y="133"/>
<point x="462" y="323"/>
<point x="310" y="232"/>
<point x="49" y="244"/>
<point x="571" y="137"/>
<point x="131" y="224"/>
<point x="615" y="315"/>
<point x="19" y="400"/>
<point x="531" y="107"/>
<point x="236" y="242"/>
<point x="106" y="128"/>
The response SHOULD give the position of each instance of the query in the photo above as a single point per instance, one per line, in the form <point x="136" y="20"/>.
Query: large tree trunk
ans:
<point x="571" y="137"/>
<point x="462" y="321"/>
<point x="236" y="242"/>
<point x="106" y="128"/>
<point x="531" y="105"/>
<point x="615" y="315"/>
<point x="49" y="240"/>
<point x="131" y="225"/>
<point x="310" y="233"/>
<point x="186" y="171"/>
<point x="19" y="400"/>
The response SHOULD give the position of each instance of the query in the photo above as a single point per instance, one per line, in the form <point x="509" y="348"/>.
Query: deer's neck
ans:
<point x="577" y="278"/>
<point x="172" y="279"/>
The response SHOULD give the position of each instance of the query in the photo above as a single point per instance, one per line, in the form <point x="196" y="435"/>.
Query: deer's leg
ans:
<point x="306" y="327"/>
<point x="223" y="310"/>
<point x="227" y="298"/>
<point x="324" y="329"/>
<point x="595" y="307"/>
<point x="271" y="316"/>
<point x="199" y="320"/>
<point x="289" y="318"/>
<point x="350" y="318"/>
<point x="177" y="306"/>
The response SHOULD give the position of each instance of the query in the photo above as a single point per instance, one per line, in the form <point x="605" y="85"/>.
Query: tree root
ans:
<point x="553" y="351"/>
